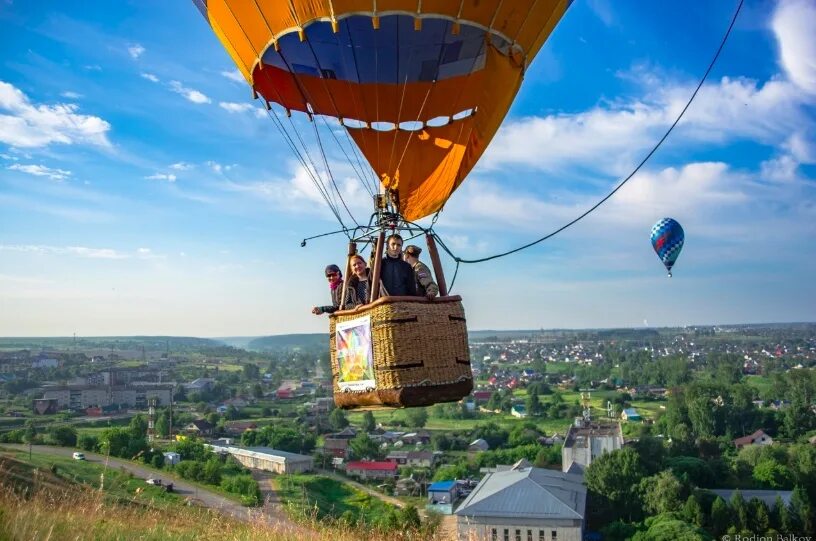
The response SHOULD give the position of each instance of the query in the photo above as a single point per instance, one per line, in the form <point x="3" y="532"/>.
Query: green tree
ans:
<point x="616" y="477"/>
<point x="652" y="452"/>
<point x="416" y="417"/>
<point x="781" y="518"/>
<point x="362" y="446"/>
<point x="739" y="510"/>
<point x="720" y="517"/>
<point x="338" y="419"/>
<point x="257" y="391"/>
<point x="409" y="517"/>
<point x="667" y="527"/>
<point x="758" y="516"/>
<point x="251" y="372"/>
<point x="533" y="405"/>
<point x="449" y="472"/>
<point x="802" y="511"/>
<point x="163" y="425"/>
<point x="87" y="442"/>
<point x="368" y="423"/>
<point x="65" y="436"/>
<point x="771" y="474"/>
<point x="662" y="493"/>
<point x="138" y="426"/>
<point x="693" y="511"/>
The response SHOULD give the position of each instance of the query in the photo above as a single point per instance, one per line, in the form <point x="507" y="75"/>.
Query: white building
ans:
<point x="586" y="441"/>
<point x="266" y="458"/>
<point x="524" y="503"/>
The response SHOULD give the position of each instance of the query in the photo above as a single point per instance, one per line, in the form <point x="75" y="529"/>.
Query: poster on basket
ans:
<point x="355" y="355"/>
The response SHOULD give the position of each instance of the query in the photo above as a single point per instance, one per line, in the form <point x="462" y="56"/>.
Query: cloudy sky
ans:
<point x="142" y="191"/>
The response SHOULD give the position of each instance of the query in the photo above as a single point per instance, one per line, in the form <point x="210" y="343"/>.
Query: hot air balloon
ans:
<point x="421" y="87"/>
<point x="667" y="241"/>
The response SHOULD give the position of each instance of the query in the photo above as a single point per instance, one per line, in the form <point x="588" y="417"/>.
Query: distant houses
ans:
<point x="372" y="470"/>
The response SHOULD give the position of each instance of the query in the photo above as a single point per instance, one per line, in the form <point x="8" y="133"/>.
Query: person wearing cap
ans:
<point x="335" y="278"/>
<point x="424" y="280"/>
<point x="396" y="275"/>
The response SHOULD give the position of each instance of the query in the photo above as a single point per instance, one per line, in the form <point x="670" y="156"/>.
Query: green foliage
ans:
<point x="245" y="486"/>
<point x="362" y="446"/>
<point x="691" y="469"/>
<point x="720" y="516"/>
<point x="739" y="511"/>
<point x="138" y="426"/>
<point x="368" y="423"/>
<point x="338" y="419"/>
<point x="652" y="453"/>
<point x="416" y="417"/>
<point x="492" y="433"/>
<point x="548" y="456"/>
<point x="693" y="512"/>
<point x="668" y="527"/>
<point x="449" y="472"/>
<point x="771" y="474"/>
<point x="87" y="442"/>
<point x="662" y="493"/>
<point x="615" y="476"/>
<point x="65" y="436"/>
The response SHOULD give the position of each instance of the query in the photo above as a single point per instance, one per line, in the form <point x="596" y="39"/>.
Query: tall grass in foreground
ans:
<point x="44" y="511"/>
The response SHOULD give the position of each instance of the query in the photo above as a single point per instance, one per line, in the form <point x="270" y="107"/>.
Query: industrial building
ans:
<point x="266" y="458"/>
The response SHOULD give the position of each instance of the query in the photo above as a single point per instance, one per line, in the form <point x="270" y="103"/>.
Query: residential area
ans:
<point x="705" y="429"/>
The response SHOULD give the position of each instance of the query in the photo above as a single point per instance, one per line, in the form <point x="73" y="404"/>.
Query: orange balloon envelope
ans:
<point x="421" y="85"/>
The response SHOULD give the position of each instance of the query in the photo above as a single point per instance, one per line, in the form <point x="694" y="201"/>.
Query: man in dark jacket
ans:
<point x="396" y="275"/>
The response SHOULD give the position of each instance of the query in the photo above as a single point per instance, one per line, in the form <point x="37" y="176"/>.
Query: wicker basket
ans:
<point x="420" y="353"/>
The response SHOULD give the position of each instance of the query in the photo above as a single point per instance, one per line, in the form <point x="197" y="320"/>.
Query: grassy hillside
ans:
<point x="47" y="503"/>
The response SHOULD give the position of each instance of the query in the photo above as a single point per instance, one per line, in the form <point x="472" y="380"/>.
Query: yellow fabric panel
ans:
<point x="251" y="24"/>
<point x="545" y="29"/>
<point x="397" y="5"/>
<point x="277" y="13"/>
<point x="307" y="10"/>
<point x="352" y="6"/>
<point x="436" y="160"/>
<point x="444" y="7"/>
<point x="243" y="68"/>
<point x="220" y="15"/>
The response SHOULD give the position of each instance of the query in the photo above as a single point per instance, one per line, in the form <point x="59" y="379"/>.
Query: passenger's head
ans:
<point x="333" y="274"/>
<point x="411" y="254"/>
<point x="394" y="245"/>
<point x="359" y="266"/>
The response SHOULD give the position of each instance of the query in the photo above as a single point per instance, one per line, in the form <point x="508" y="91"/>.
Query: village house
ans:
<point x="442" y="492"/>
<point x="420" y="437"/>
<point x="757" y="438"/>
<point x="478" y="446"/>
<point x="631" y="414"/>
<point x="414" y="459"/>
<point x="524" y="503"/>
<point x="588" y="440"/>
<point x="268" y="459"/>
<point x="336" y="448"/>
<point x="199" y="427"/>
<point x="236" y="428"/>
<point x="372" y="470"/>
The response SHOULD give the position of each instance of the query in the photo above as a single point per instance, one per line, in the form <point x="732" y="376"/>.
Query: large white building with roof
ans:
<point x="586" y="441"/>
<point x="266" y="458"/>
<point x="524" y="503"/>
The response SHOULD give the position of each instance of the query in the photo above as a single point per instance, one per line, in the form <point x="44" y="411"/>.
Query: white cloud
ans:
<point x="79" y="251"/>
<point x="234" y="75"/>
<point x="793" y="23"/>
<point x="150" y="77"/>
<point x="236" y="107"/>
<point x="9" y="157"/>
<point x="603" y="10"/>
<point x="71" y="95"/>
<point x="27" y="125"/>
<point x="136" y="50"/>
<point x="612" y="137"/>
<point x="190" y="94"/>
<point x="162" y="176"/>
<point x="181" y="166"/>
<point x="41" y="171"/>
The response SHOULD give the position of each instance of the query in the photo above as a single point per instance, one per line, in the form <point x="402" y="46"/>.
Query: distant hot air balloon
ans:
<point x="667" y="241"/>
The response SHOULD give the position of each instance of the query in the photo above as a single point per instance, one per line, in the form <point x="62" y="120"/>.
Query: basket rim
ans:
<point x="359" y="310"/>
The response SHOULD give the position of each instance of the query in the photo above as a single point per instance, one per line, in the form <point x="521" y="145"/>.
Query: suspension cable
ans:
<point x="625" y="180"/>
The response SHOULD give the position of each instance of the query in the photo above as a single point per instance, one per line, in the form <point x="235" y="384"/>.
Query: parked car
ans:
<point x="154" y="482"/>
<point x="79" y="456"/>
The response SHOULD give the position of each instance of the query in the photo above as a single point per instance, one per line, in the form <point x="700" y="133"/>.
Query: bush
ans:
<point x="87" y="442"/>
<point x="245" y="486"/>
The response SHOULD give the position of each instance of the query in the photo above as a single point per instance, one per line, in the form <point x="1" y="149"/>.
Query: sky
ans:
<point x="144" y="192"/>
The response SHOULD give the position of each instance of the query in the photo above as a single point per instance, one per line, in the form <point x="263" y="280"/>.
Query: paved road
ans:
<point x="213" y="500"/>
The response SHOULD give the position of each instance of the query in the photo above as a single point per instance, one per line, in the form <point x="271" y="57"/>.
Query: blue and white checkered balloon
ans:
<point x="667" y="241"/>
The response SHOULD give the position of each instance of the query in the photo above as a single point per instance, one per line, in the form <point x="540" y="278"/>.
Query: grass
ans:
<point x="329" y="499"/>
<point x="44" y="510"/>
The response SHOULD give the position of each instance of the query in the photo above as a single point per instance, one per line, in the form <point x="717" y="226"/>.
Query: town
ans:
<point x="567" y="435"/>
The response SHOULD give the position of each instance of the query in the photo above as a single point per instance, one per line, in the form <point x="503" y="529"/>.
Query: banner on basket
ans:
<point x="355" y="355"/>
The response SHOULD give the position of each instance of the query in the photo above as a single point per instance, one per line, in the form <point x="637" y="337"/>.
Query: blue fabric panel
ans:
<point x="394" y="54"/>
<point x="202" y="7"/>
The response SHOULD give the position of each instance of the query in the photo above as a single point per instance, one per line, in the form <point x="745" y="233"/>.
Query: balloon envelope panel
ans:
<point x="667" y="240"/>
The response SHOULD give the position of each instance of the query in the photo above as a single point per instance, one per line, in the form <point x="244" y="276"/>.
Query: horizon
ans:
<point x="518" y="330"/>
<point x="141" y="192"/>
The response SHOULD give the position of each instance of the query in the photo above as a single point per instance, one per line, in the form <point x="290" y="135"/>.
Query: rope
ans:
<point x="625" y="180"/>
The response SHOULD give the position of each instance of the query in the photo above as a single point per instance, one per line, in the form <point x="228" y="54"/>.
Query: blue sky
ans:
<point x="142" y="191"/>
